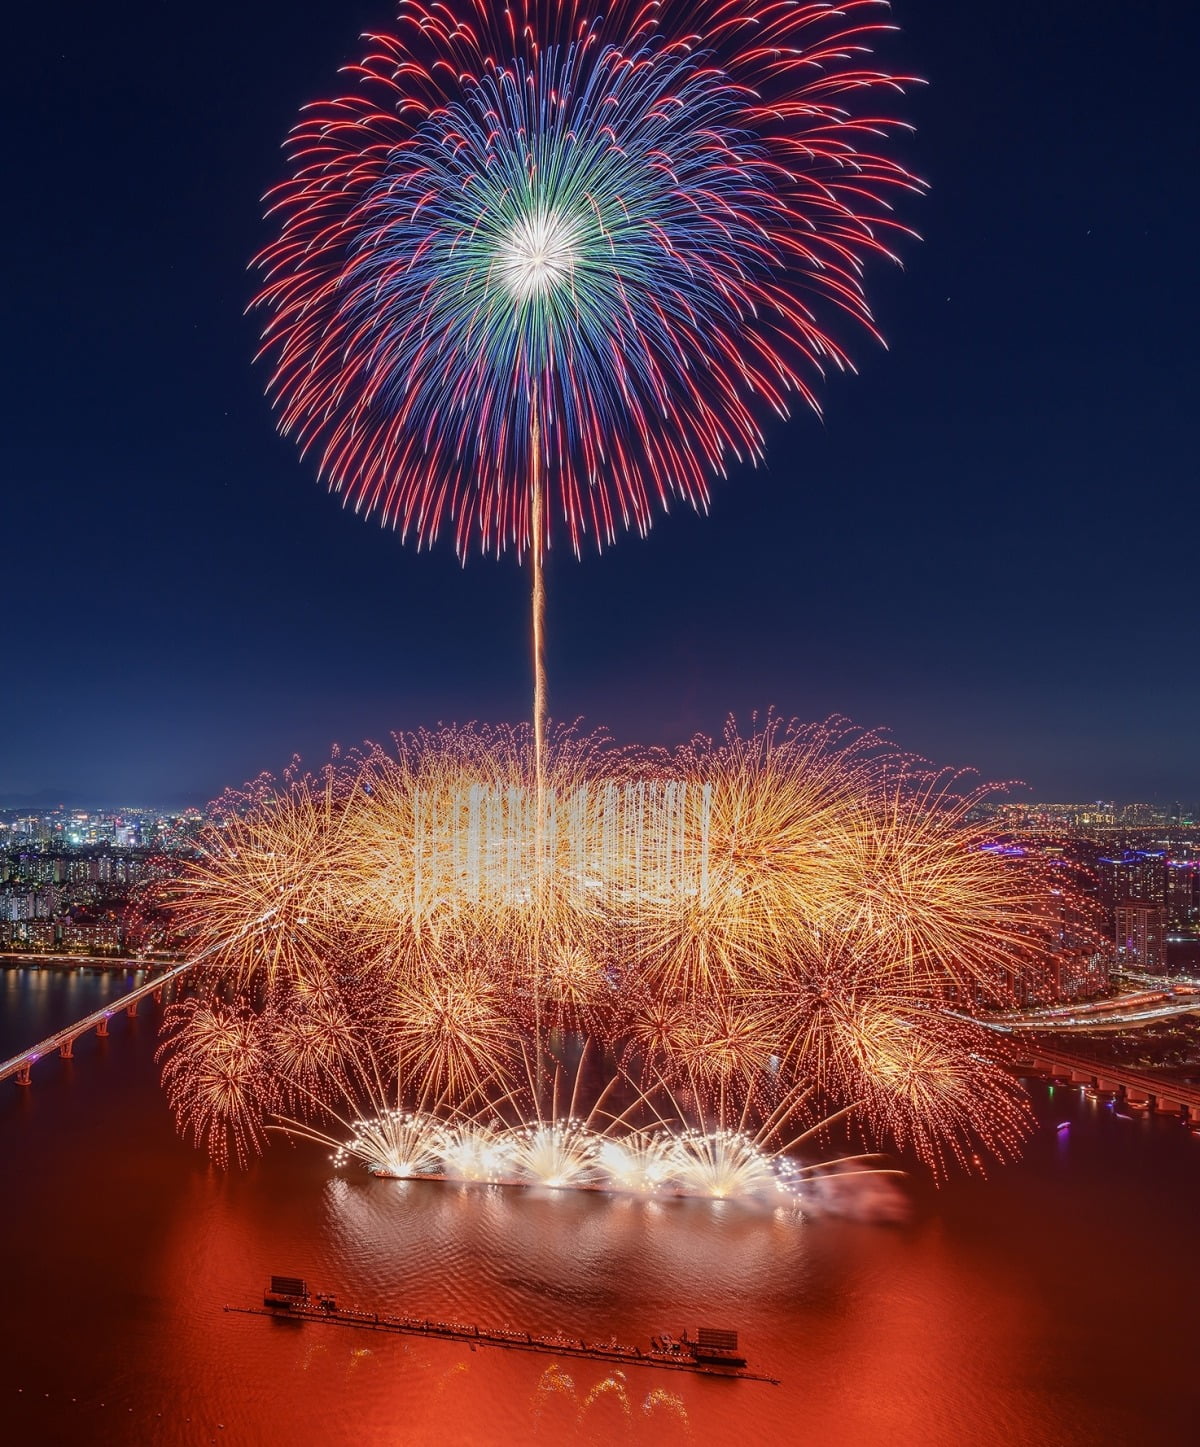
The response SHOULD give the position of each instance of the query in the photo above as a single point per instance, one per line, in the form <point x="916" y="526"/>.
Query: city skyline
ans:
<point x="1004" y="801"/>
<point x="952" y="554"/>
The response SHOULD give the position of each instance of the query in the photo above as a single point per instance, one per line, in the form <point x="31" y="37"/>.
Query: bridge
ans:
<point x="1140" y="1086"/>
<point x="63" y="1041"/>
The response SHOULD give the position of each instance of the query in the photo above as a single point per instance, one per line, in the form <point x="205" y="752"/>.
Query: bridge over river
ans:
<point x="1173" y="1097"/>
<point x="53" y="960"/>
<point x="63" y="1041"/>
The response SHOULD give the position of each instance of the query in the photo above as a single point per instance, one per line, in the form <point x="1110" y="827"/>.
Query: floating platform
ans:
<point x="711" y="1352"/>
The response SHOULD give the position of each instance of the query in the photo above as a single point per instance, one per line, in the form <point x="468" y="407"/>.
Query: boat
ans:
<point x="711" y="1347"/>
<point x="713" y="1351"/>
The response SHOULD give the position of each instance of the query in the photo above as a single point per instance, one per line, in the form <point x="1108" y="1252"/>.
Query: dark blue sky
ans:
<point x="989" y="544"/>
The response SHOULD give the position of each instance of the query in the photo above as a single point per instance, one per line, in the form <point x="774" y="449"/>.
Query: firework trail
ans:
<point x="548" y="265"/>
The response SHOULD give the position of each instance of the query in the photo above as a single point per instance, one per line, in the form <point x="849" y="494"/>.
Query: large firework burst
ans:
<point x="751" y="925"/>
<point x="593" y="240"/>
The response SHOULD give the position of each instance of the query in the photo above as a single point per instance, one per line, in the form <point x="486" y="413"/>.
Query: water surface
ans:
<point x="1052" y="1304"/>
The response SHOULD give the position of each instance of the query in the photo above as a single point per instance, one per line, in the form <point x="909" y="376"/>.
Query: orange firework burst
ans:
<point x="780" y="913"/>
<point x="266" y="899"/>
<point x="451" y="1028"/>
<point x="917" y="873"/>
<point x="753" y="856"/>
<point x="312" y="1039"/>
<point x="932" y="1083"/>
<point x="216" y="1069"/>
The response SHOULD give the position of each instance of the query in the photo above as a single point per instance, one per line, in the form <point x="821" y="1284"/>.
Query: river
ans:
<point x="1054" y="1303"/>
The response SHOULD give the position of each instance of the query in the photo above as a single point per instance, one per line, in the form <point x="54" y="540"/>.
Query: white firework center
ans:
<point x="537" y="253"/>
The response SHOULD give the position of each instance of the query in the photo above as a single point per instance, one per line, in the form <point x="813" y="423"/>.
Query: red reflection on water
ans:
<point x="1004" y="1314"/>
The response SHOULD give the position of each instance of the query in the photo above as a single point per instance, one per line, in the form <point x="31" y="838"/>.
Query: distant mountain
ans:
<point x="46" y="799"/>
<point x="43" y="800"/>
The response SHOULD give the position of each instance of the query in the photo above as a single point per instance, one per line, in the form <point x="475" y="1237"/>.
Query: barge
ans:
<point x="712" y="1352"/>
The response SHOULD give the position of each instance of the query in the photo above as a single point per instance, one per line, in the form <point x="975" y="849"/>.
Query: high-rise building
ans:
<point x="1182" y="895"/>
<point x="1134" y="875"/>
<point x="1141" y="815"/>
<point x="1141" y="935"/>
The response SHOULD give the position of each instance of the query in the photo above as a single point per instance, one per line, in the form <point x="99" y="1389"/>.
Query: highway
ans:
<point x="44" y="959"/>
<point x="1133" y="1009"/>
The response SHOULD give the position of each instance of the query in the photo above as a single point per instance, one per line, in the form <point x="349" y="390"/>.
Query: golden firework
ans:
<point x="217" y="1077"/>
<point x="787" y="911"/>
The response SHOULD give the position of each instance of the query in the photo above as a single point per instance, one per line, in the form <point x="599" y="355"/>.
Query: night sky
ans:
<point x="987" y="545"/>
